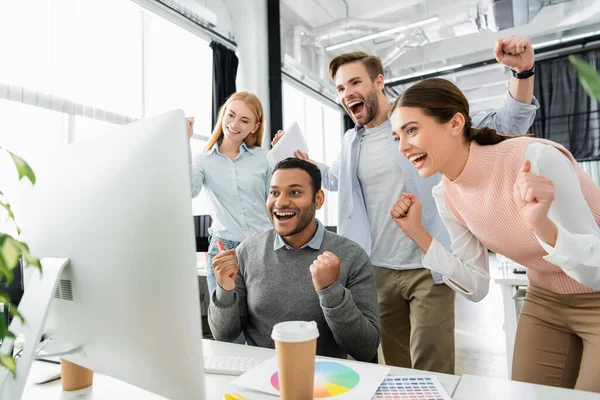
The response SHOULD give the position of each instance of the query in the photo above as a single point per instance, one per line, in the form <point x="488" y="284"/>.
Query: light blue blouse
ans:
<point x="237" y="190"/>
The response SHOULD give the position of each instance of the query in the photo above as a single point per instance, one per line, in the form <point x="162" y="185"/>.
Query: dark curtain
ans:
<point x="225" y="65"/>
<point x="567" y="115"/>
<point x="275" y="113"/>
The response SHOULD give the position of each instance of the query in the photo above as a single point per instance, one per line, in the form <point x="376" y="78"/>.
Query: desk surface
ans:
<point x="216" y="385"/>
<point x="506" y="276"/>
<point x="201" y="264"/>
<point x="476" y="387"/>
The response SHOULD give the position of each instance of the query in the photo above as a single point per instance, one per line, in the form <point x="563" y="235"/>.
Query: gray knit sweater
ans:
<point x="275" y="285"/>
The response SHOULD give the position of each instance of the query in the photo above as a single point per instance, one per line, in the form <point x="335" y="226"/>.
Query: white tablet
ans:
<point x="291" y="141"/>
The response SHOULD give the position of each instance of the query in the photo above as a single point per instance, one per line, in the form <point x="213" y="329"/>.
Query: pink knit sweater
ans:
<point x="482" y="200"/>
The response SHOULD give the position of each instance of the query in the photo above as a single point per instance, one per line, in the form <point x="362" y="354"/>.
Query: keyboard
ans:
<point x="229" y="365"/>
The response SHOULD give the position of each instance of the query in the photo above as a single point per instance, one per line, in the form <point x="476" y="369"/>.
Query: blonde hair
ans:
<point x="252" y="102"/>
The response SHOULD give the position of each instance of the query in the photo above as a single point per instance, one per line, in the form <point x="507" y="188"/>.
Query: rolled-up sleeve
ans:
<point x="512" y="118"/>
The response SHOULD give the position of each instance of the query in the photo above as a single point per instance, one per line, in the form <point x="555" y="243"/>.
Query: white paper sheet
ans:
<point x="420" y="387"/>
<point x="287" y="145"/>
<point x="333" y="379"/>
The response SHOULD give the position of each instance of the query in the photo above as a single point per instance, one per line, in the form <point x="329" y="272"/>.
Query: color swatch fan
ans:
<point x="337" y="380"/>
<point x="331" y="379"/>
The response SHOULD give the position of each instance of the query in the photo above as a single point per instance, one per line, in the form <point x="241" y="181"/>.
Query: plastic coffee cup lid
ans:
<point x="295" y="331"/>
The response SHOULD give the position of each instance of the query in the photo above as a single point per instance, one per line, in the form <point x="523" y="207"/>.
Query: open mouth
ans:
<point x="418" y="160"/>
<point x="356" y="107"/>
<point x="284" y="215"/>
<point x="233" y="131"/>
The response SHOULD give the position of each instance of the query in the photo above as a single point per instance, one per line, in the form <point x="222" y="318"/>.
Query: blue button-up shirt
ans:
<point x="314" y="243"/>
<point x="236" y="190"/>
<point x="512" y="117"/>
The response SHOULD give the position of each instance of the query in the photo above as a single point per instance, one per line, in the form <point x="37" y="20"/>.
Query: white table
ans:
<point x="509" y="282"/>
<point x="476" y="387"/>
<point x="201" y="263"/>
<point x="216" y="385"/>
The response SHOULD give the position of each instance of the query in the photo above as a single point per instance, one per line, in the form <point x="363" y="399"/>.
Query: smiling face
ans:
<point x="428" y="144"/>
<point x="238" y="121"/>
<point x="291" y="203"/>
<point x="357" y="92"/>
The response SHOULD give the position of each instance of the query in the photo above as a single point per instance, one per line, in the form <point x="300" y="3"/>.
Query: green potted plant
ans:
<point x="11" y="251"/>
<point x="588" y="76"/>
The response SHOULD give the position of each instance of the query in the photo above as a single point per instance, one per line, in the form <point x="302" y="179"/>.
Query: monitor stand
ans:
<point x="34" y="306"/>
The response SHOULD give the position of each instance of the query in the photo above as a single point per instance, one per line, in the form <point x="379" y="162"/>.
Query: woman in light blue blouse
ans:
<point x="235" y="173"/>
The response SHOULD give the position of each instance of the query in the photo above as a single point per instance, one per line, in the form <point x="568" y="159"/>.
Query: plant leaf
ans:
<point x="8" y="210"/>
<point x="4" y="332"/>
<point x="23" y="168"/>
<point x="5" y="272"/>
<point x="9" y="363"/>
<point x="4" y="297"/>
<point x="3" y="327"/>
<point x="588" y="76"/>
<point x="10" y="251"/>
<point x="15" y="312"/>
<point x="11" y="215"/>
<point x="29" y="259"/>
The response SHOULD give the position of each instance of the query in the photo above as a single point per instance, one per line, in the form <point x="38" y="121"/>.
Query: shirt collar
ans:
<point x="314" y="243"/>
<point x="243" y="147"/>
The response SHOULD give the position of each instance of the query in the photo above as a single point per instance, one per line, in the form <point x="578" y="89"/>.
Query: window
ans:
<point x="333" y="131"/>
<point x="108" y="56"/>
<point x="321" y="125"/>
<point x="65" y="49"/>
<point x="25" y="44"/>
<point x="88" y="128"/>
<point x="32" y="133"/>
<point x="179" y="73"/>
<point x="97" y="54"/>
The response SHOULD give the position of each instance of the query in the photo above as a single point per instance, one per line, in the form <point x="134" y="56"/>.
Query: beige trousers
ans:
<point x="558" y="340"/>
<point x="417" y="320"/>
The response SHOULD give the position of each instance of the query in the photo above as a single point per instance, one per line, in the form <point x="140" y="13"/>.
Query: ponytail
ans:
<point x="442" y="100"/>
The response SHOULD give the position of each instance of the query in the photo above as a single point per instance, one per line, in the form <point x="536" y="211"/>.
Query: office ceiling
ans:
<point x="426" y="35"/>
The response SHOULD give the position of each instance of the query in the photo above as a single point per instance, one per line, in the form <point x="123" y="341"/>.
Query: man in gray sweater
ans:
<point x="297" y="271"/>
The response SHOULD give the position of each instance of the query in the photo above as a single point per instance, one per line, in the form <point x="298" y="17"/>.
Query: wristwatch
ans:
<point x="524" y="74"/>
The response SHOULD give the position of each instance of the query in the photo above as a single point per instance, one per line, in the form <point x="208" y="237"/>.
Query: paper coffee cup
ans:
<point x="75" y="377"/>
<point x="296" y="347"/>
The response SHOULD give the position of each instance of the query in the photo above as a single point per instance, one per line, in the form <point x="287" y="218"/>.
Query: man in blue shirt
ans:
<point x="416" y="308"/>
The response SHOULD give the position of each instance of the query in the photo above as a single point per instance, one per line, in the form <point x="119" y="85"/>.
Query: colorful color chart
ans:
<point x="410" y="388"/>
<point x="331" y="379"/>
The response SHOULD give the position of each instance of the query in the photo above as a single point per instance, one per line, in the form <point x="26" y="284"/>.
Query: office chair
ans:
<point x="201" y="225"/>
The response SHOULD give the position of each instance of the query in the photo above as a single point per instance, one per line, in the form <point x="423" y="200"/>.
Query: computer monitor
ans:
<point x="119" y="208"/>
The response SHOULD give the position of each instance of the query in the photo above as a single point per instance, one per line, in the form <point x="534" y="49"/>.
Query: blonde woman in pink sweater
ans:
<point x="522" y="197"/>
